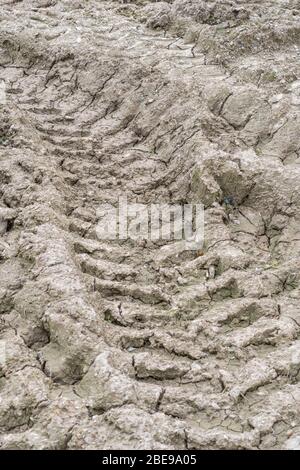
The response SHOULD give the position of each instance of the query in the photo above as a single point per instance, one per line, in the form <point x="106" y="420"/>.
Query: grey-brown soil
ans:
<point x="129" y="345"/>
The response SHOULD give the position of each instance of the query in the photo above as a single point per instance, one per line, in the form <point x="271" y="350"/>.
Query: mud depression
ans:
<point x="122" y="344"/>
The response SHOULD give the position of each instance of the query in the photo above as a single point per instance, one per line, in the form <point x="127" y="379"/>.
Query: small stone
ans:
<point x="3" y="227"/>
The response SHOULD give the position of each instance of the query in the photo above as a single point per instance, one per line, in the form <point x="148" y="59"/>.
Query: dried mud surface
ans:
<point x="122" y="345"/>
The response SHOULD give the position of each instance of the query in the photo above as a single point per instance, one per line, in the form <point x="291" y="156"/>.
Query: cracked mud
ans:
<point x="123" y="345"/>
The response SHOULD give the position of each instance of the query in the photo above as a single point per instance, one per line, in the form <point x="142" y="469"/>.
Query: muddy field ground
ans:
<point x="122" y="344"/>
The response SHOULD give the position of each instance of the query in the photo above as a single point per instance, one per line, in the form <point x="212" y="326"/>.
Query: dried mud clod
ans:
<point x="116" y="344"/>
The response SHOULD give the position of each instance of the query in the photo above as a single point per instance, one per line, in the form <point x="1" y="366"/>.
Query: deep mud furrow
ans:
<point x="142" y="344"/>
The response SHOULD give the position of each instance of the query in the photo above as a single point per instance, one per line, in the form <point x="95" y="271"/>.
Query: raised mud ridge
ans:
<point x="138" y="345"/>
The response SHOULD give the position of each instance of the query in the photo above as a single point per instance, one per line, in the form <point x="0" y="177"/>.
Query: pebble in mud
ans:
<point x="293" y="443"/>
